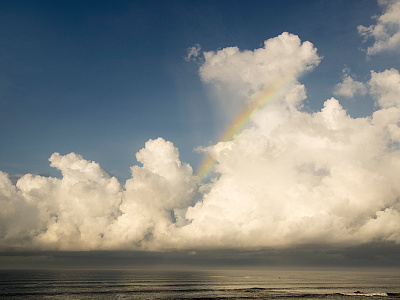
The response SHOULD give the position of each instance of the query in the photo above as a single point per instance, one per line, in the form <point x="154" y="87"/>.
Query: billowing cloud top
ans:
<point x="291" y="178"/>
<point x="248" y="72"/>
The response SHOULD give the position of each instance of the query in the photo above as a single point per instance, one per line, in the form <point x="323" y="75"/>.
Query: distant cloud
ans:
<point x="386" y="32"/>
<point x="193" y="52"/>
<point x="349" y="87"/>
<point x="291" y="178"/>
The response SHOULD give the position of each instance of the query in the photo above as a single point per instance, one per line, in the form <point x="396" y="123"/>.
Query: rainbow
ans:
<point x="243" y="118"/>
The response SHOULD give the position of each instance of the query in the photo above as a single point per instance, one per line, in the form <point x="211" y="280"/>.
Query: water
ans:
<point x="221" y="284"/>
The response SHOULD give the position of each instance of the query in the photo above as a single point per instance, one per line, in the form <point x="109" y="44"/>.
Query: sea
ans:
<point x="199" y="284"/>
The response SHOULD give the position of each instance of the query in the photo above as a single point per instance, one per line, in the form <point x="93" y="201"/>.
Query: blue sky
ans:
<point x="101" y="78"/>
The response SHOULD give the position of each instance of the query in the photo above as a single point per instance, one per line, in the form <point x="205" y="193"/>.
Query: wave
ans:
<point x="358" y="293"/>
<point x="249" y="293"/>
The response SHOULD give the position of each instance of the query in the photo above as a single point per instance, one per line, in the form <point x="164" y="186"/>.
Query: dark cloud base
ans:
<point x="379" y="255"/>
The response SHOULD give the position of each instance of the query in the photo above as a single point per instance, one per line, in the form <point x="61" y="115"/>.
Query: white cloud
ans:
<point x="74" y="211"/>
<point x="320" y="178"/>
<point x="385" y="87"/>
<point x="386" y="32"/>
<point x="349" y="87"/>
<point x="290" y="178"/>
<point x="237" y="76"/>
<point x="88" y="209"/>
<point x="248" y="72"/>
<point x="154" y="198"/>
<point x="18" y="219"/>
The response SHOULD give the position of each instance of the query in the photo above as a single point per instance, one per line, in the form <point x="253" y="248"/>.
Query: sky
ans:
<point x="186" y="131"/>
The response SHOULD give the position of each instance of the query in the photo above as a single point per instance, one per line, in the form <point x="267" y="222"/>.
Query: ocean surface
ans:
<point x="221" y="284"/>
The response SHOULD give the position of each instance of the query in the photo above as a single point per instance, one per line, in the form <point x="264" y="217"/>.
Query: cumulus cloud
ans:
<point x="88" y="209"/>
<point x="238" y="76"/>
<point x="321" y="178"/>
<point x="386" y="31"/>
<point x="71" y="212"/>
<point x="385" y="87"/>
<point x="155" y="198"/>
<point x="290" y="178"/>
<point x="349" y="87"/>
<point x="248" y="72"/>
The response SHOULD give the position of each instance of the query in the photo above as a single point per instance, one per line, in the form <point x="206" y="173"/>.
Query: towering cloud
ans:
<point x="248" y="72"/>
<point x="289" y="178"/>
<point x="155" y="198"/>
<point x="239" y="76"/>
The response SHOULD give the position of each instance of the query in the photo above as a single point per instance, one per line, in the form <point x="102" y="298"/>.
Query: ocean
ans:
<point x="199" y="284"/>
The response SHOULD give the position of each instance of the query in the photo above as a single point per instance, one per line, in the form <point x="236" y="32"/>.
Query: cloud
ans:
<point x="18" y="218"/>
<point x="248" y="72"/>
<point x="193" y="52"/>
<point x="295" y="178"/>
<point x="88" y="209"/>
<point x="321" y="178"/>
<point x="238" y="76"/>
<point x="349" y="87"/>
<point x="72" y="212"/>
<point x="385" y="87"/>
<point x="386" y="32"/>
<point x="291" y="178"/>
<point x="155" y="198"/>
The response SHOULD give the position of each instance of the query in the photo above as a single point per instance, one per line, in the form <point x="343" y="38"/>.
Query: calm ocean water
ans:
<point x="226" y="284"/>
